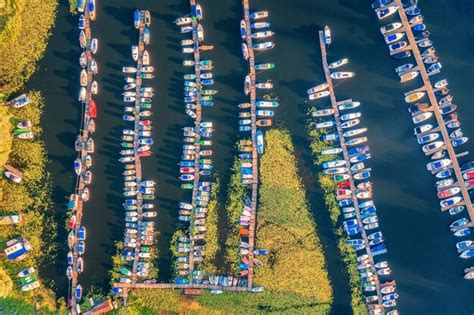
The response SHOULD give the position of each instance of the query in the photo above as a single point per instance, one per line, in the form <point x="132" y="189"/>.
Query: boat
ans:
<point x="263" y="46"/>
<point x="146" y="36"/>
<point x="350" y="123"/>
<point x="459" y="223"/>
<point x="441" y="84"/>
<point x="459" y="141"/>
<point x="331" y="151"/>
<point x="378" y="4"/>
<point x="264" y="66"/>
<point x="413" y="97"/>
<point x="413" y="11"/>
<point x="354" y="132"/>
<point x="183" y="21"/>
<point x="94" y="88"/>
<point x="450" y="202"/>
<point x="30" y="286"/>
<point x="260" y="142"/>
<point x="469" y="275"/>
<point x="448" y="192"/>
<point x="146" y="58"/>
<point x="317" y="88"/>
<point x="422" y="129"/>
<point x="26" y="272"/>
<point x="463" y="245"/>
<point x="338" y="63"/>
<point x="434" y="68"/>
<point x="245" y="51"/>
<point x="258" y="25"/>
<point x="335" y="163"/>
<point x="423" y="35"/>
<point x="262" y="34"/>
<point x="443" y="174"/>
<point x="447" y="109"/>
<point x="386" y="12"/>
<point x="319" y="95"/>
<point x="263" y="122"/>
<point x="403" y="68"/>
<point x="348" y="105"/>
<point x="92" y="11"/>
<point x="327" y="35"/>
<point x="437" y="165"/>
<point x="81" y="5"/>
<point x="342" y="75"/>
<point x="94" y="45"/>
<point x="337" y="170"/>
<point x="362" y="175"/>
<point x="266" y="104"/>
<point x="325" y="124"/>
<point x="419" y="27"/>
<point x="408" y="76"/>
<point x="356" y="141"/>
<point x="401" y="55"/>
<point x="392" y="38"/>
<point x="350" y="116"/>
<point x="247" y="85"/>
<point x="323" y="112"/>
<point x="397" y="46"/>
<point x="428" y="138"/>
<point x="390" y="27"/>
<point x="82" y="39"/>
<point x="81" y="23"/>
<point x="433" y="145"/>
<point x="422" y="117"/>
<point x="462" y="232"/>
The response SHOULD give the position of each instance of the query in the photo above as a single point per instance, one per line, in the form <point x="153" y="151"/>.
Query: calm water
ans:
<point x="421" y="249"/>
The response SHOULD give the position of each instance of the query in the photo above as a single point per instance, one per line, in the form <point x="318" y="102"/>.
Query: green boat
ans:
<point x="209" y="92"/>
<point x="189" y="76"/>
<point x="187" y="186"/>
<point x="264" y="66"/>
<point x="148" y="197"/>
<point x="127" y="144"/>
<point x="205" y="62"/>
<point x="28" y="279"/>
<point x="206" y="98"/>
<point x="21" y="131"/>
<point x="145" y="105"/>
<point x="125" y="272"/>
<point x="145" y="249"/>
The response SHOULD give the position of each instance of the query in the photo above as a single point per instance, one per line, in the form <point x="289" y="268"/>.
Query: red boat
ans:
<point x="244" y="273"/>
<point x="92" y="109"/>
<point x="448" y="192"/>
<point x="144" y="153"/>
<point x="469" y="175"/>
<point x="343" y="192"/>
<point x="343" y="184"/>
<point x="469" y="184"/>
<point x="186" y="170"/>
<point x="145" y="123"/>
<point x="71" y="222"/>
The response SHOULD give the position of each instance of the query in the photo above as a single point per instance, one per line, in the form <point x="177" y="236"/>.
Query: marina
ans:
<point x="85" y="146"/>
<point x="443" y="153"/>
<point x="354" y="188"/>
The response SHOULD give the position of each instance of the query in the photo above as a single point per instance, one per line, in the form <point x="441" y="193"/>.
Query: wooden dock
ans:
<point x="253" y="117"/>
<point x="176" y="286"/>
<point x="138" y="164"/>
<point x="340" y="132"/>
<point x="83" y="152"/>
<point x="428" y="88"/>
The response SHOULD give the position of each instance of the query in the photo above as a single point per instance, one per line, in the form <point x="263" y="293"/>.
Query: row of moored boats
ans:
<point x="428" y="127"/>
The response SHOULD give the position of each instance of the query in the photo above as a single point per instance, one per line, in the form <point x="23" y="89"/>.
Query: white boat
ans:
<point x="349" y="105"/>
<point x="437" y="165"/>
<point x="129" y="69"/>
<point x="350" y="116"/>
<point x="94" y="87"/>
<point x="413" y="97"/>
<point x="323" y="112"/>
<point x="94" y="45"/>
<point x="422" y="117"/>
<point x="392" y="38"/>
<point x="317" y="88"/>
<point x="183" y="21"/>
<point x="263" y="46"/>
<point x="186" y="29"/>
<point x="390" y="27"/>
<point x="317" y="95"/>
<point x="331" y="151"/>
<point x="385" y="12"/>
<point x="342" y="75"/>
<point x="354" y="132"/>
<point x="441" y="84"/>
<point x="325" y="124"/>
<point x="263" y="34"/>
<point x="327" y="35"/>
<point x="408" y="76"/>
<point x="338" y="63"/>
<point x="200" y="33"/>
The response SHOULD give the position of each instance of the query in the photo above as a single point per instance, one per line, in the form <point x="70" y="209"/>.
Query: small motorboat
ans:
<point x="348" y="105"/>
<point x="342" y="75"/>
<point x="83" y="78"/>
<point x="390" y="27"/>
<point x="441" y="84"/>
<point x="403" y="68"/>
<point x="429" y="138"/>
<point x="401" y="55"/>
<point x="350" y="116"/>
<point x="392" y="38"/>
<point x="386" y="12"/>
<point x="323" y="112"/>
<point x="459" y="141"/>
<point x="338" y="63"/>
<point x="397" y="46"/>
<point x="422" y="117"/>
<point x="435" y="68"/>
<point x="408" y="76"/>
<point x="450" y="202"/>
<point x="459" y="223"/>
<point x="463" y="245"/>
<point x="319" y="95"/>
<point x="94" y="45"/>
<point x="437" y="165"/>
<point x="413" y="97"/>
<point x="146" y="36"/>
<point x="462" y="232"/>
<point x="245" y="51"/>
<point x="327" y="35"/>
<point x="183" y="21"/>
<point x="317" y="88"/>
<point x="263" y="46"/>
<point x="82" y="39"/>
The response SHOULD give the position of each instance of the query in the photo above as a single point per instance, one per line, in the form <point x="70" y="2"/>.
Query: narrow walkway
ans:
<point x="342" y="141"/>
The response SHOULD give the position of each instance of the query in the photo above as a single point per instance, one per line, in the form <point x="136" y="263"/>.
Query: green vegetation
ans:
<point x="24" y="30"/>
<point x="293" y="275"/>
<point x="31" y="199"/>
<point x="72" y="6"/>
<point x="212" y="242"/>
<point x="329" y="187"/>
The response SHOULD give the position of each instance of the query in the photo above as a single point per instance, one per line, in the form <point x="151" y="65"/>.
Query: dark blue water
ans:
<point x="421" y="248"/>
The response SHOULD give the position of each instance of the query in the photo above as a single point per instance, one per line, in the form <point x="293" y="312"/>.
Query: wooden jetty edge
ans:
<point x="253" y="117"/>
<point x="428" y="88"/>
<point x="83" y="152"/>
<point x="340" y="132"/>
<point x="136" y="145"/>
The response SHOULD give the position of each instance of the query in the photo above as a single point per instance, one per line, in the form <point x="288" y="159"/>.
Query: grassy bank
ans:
<point x="329" y="187"/>
<point x="293" y="275"/>
<point x="23" y="40"/>
<point x="31" y="199"/>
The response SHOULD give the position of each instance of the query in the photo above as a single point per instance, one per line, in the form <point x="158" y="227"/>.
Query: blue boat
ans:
<point x="419" y="27"/>
<point x="355" y="242"/>
<point x="462" y="232"/>
<point x="409" y="3"/>
<point x="245" y="156"/>
<point x="91" y="6"/>
<point x="361" y="149"/>
<point x="260" y="142"/>
<point x="245" y="128"/>
<point x="330" y="137"/>
<point x="81" y="234"/>
<point x="413" y="11"/>
<point x="78" y="292"/>
<point x="146" y="36"/>
<point x="207" y="82"/>
<point x="81" y="4"/>
<point x="375" y="235"/>
<point x="181" y="281"/>
<point x="467" y="166"/>
<point x="401" y="55"/>
<point x="368" y="210"/>
<point x="187" y="163"/>
<point x="350" y="223"/>
<point x="260" y="252"/>
<point x="353" y="230"/>
<point x="207" y="103"/>
<point x="82" y="22"/>
<point x="443" y="174"/>
<point x="345" y="202"/>
<point x="136" y="19"/>
<point x="81" y="247"/>
<point x="360" y="157"/>
<point x="464" y="244"/>
<point x="362" y="175"/>
<point x="377" y="248"/>
<point x="69" y="258"/>
<point x="246" y="170"/>
<point x="380" y="3"/>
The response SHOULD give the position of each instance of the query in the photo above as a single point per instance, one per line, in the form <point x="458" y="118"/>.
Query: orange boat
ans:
<point x="92" y="109"/>
<point x="244" y="232"/>
<point x="206" y="47"/>
<point x="264" y="122"/>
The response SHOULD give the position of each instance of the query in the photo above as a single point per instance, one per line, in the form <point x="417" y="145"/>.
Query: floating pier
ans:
<point x="428" y="88"/>
<point x="83" y="146"/>
<point x="253" y="117"/>
<point x="335" y="106"/>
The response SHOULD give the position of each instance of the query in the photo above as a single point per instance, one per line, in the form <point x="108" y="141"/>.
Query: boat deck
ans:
<point x="253" y="117"/>
<point x="340" y="131"/>
<point x="80" y="184"/>
<point x="428" y="88"/>
<point x="138" y="164"/>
